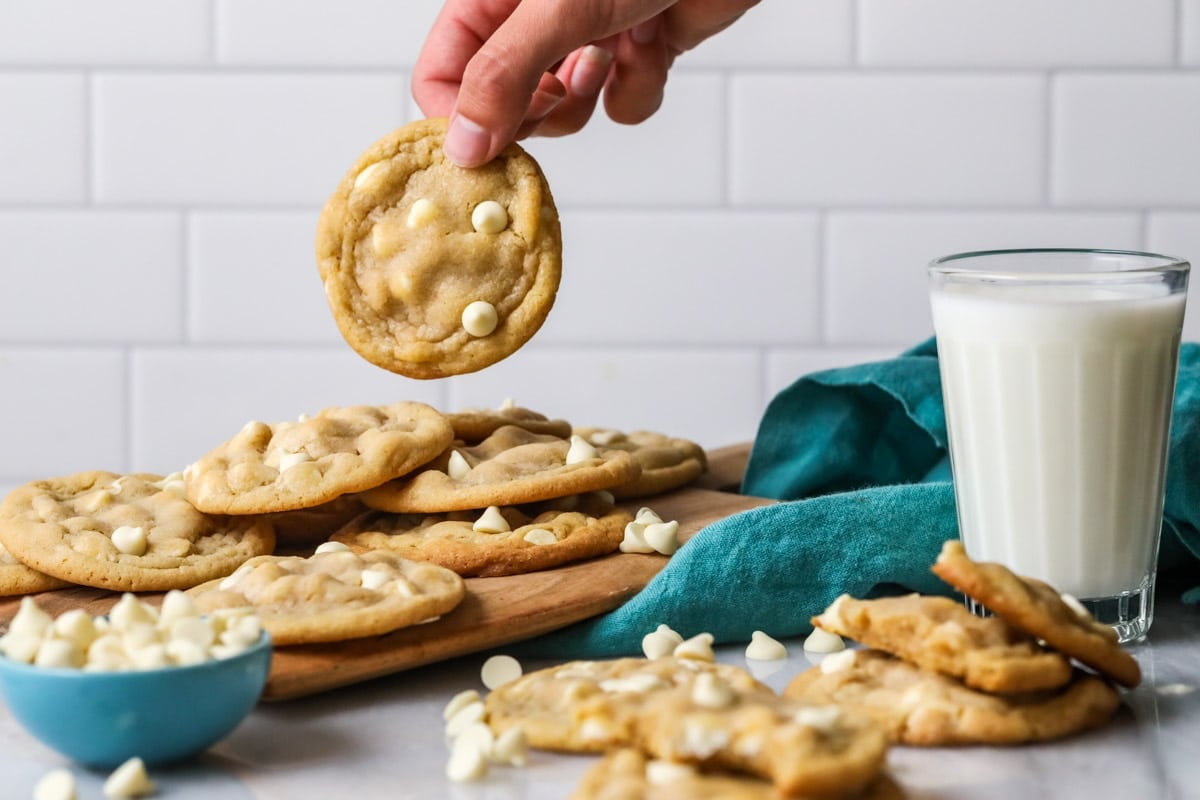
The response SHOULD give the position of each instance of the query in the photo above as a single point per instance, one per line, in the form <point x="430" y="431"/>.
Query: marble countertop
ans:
<point x="384" y="739"/>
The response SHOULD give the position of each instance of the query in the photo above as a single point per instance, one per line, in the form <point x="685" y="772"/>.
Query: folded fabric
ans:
<point x="859" y="457"/>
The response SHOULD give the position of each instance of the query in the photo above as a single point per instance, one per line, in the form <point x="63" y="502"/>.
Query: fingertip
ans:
<point x="467" y="143"/>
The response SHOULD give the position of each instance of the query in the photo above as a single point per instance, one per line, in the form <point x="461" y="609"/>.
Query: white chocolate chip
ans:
<point x="710" y="691"/>
<point x="106" y="654"/>
<point x="605" y="438"/>
<point x="823" y="718"/>
<point x="196" y="630"/>
<point x="662" y="536"/>
<point x="329" y="547"/>
<point x="499" y="670"/>
<point x="507" y="404"/>
<point x="479" y="734"/>
<point x="662" y="642"/>
<point x="646" y="516"/>
<point x="129" y="780"/>
<point x="664" y="773"/>
<point x="22" y="647"/>
<point x="288" y="460"/>
<point x="763" y="647"/>
<point x="387" y="240"/>
<point x="698" y="647"/>
<point x="580" y="450"/>
<point x="152" y="656"/>
<point x="605" y="496"/>
<point x="234" y="578"/>
<point x="241" y="634"/>
<point x="822" y="641"/>
<point x="468" y="714"/>
<point x="58" y="653"/>
<point x="837" y="662"/>
<point x="76" y="626"/>
<point x="369" y="177"/>
<point x="457" y="467"/>
<point x="635" y="539"/>
<point x="57" y="784"/>
<point x="1080" y="610"/>
<point x="467" y="761"/>
<point x="186" y="653"/>
<point x="172" y="483"/>
<point x="540" y="536"/>
<point x="491" y="521"/>
<point x="489" y="217"/>
<point x="459" y="702"/>
<point x="633" y="684"/>
<point x="175" y="605"/>
<point x="30" y="619"/>
<point x="479" y="318"/>
<point x="701" y="740"/>
<point x="130" y="540"/>
<point x="374" y="579"/>
<point x="422" y="212"/>
<point x="95" y="501"/>
<point x="511" y="747"/>
<point x="595" y="730"/>
<point x="130" y="611"/>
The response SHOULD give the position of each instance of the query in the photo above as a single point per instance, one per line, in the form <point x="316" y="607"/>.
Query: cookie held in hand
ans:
<point x="432" y="269"/>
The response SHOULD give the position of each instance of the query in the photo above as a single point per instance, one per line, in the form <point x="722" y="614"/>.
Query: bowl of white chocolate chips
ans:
<point x="159" y="684"/>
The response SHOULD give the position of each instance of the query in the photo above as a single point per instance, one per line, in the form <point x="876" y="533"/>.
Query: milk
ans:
<point x="1058" y="402"/>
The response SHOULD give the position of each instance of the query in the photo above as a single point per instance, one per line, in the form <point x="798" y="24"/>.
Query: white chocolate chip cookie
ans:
<point x="667" y="462"/>
<point x="434" y="270"/>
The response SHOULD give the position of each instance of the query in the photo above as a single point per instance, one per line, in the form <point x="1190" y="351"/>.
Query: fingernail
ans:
<point x="542" y="103"/>
<point x="466" y="142"/>
<point x="591" y="70"/>
<point x="644" y="32"/>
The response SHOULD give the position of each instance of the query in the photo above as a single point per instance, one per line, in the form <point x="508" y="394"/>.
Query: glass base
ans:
<point x="1128" y="613"/>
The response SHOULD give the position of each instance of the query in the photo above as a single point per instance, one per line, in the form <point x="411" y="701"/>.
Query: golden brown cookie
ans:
<point x="329" y="597"/>
<point x="432" y="269"/>
<point x="495" y="541"/>
<point x="473" y="425"/>
<point x="628" y="774"/>
<point x="667" y="462"/>
<point x="1037" y="608"/>
<point x="307" y="463"/>
<point x="940" y="634"/>
<point x="16" y="578"/>
<point x="307" y="526"/>
<point x="920" y="707"/>
<point x="591" y="706"/>
<point x="134" y="533"/>
<point x="800" y="746"/>
<point x="511" y="467"/>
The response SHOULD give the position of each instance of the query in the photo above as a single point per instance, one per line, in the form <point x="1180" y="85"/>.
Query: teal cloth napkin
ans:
<point x="859" y="454"/>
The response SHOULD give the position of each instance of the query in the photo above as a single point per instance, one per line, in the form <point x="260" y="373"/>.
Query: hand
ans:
<point x="506" y="69"/>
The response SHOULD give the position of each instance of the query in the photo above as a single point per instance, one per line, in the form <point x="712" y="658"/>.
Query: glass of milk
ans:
<point x="1058" y="375"/>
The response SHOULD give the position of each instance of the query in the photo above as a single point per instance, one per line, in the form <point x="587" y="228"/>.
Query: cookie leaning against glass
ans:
<point x="431" y="269"/>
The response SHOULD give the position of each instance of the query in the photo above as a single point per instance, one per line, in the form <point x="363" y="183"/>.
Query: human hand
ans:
<point x="506" y="69"/>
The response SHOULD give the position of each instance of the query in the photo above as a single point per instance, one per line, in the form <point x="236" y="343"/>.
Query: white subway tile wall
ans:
<point x="162" y="167"/>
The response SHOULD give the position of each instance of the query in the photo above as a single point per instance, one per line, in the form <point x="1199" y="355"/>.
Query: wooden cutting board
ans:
<point x="495" y="612"/>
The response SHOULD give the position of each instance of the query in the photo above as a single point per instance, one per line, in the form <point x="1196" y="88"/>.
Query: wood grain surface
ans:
<point x="495" y="612"/>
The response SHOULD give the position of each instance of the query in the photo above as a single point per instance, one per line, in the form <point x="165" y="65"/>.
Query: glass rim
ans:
<point x="947" y="266"/>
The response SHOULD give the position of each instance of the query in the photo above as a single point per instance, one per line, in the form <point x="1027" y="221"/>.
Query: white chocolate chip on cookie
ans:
<point x="491" y="521"/>
<point x="479" y="318"/>
<point x="457" y="467"/>
<point x="288" y="460"/>
<point x="710" y="691"/>
<point x="387" y="240"/>
<point x="422" y="212"/>
<point x="130" y="540"/>
<point x="330" y="547"/>
<point x="368" y="179"/>
<point x="580" y="450"/>
<point x="540" y="536"/>
<point x="489" y="217"/>
<point x="837" y="662"/>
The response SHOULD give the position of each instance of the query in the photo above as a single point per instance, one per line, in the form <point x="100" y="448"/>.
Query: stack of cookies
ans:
<point x="399" y="502"/>
<point x="935" y="674"/>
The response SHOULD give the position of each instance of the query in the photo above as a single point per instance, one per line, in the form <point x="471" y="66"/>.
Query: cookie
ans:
<point x="1037" y="608"/>
<point x="307" y="526"/>
<point x="628" y="774"/>
<point x="499" y="541"/>
<point x="591" y="706"/>
<point x="473" y="425"/>
<point x="940" y="634"/>
<point x="131" y="533"/>
<point x="17" y="579"/>
<point x="801" y="747"/>
<point x="434" y="270"/>
<point x="303" y="464"/>
<point x="511" y="467"/>
<point x="331" y="597"/>
<point x="920" y="707"/>
<point x="667" y="462"/>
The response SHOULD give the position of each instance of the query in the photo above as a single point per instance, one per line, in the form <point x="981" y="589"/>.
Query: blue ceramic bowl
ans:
<point x="102" y="719"/>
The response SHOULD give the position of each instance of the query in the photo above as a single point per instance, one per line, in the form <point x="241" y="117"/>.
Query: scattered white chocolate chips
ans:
<point x="472" y="743"/>
<point x="699" y="647"/>
<point x="511" y="747"/>
<point x="479" y="318"/>
<point x="459" y="702"/>
<point x="822" y="641"/>
<point x="648" y="533"/>
<point x="663" y="537"/>
<point x="134" y="635"/>
<point x="330" y="547"/>
<point x="763" y="647"/>
<point x="491" y="521"/>
<point x="635" y="539"/>
<point x="467" y="761"/>
<point x="57" y="784"/>
<point x="580" y="450"/>
<point x="661" y="642"/>
<point x="130" y="540"/>
<point x="457" y="467"/>
<point x="422" y="212"/>
<point x="489" y="217"/>
<point x="499" y="670"/>
<point x="129" y="780"/>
